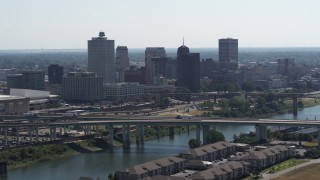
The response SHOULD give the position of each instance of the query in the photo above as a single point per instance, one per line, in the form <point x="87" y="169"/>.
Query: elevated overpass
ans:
<point x="88" y="124"/>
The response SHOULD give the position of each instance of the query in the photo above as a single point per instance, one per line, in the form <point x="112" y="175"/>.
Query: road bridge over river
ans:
<point x="88" y="124"/>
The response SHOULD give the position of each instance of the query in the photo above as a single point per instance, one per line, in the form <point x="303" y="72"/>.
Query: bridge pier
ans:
<point x="318" y="137"/>
<point x="261" y="133"/>
<point x="171" y="131"/>
<point x="30" y="133"/>
<point x="198" y="132"/>
<point x="60" y="131"/>
<point x="205" y="133"/>
<point x="18" y="134"/>
<point x="51" y="133"/>
<point x="126" y="136"/>
<point x="55" y="132"/>
<point x="295" y="105"/>
<point x="110" y="130"/>
<point x="139" y="134"/>
<point x="5" y="132"/>
<point x="37" y="134"/>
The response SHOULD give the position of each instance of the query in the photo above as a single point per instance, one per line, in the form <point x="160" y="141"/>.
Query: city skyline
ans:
<point x="38" y="24"/>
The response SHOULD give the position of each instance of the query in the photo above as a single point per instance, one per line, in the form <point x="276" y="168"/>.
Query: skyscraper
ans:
<point x="101" y="57"/>
<point x="188" y="69"/>
<point x="152" y="52"/>
<point x="122" y="62"/>
<point x="122" y="58"/>
<point x="55" y="74"/>
<point x="228" y="53"/>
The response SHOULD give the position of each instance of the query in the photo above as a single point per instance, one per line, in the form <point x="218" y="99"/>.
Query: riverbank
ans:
<point x="31" y="155"/>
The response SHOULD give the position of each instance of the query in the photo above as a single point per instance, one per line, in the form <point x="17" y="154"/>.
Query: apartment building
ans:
<point x="210" y="152"/>
<point x="165" y="166"/>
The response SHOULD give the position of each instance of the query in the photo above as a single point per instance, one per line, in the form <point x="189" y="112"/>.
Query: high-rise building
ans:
<point x="158" y="68"/>
<point x="171" y="68"/>
<point x="33" y="80"/>
<point x="152" y="52"/>
<point x="122" y="58"/>
<point x="101" y="57"/>
<point x="188" y="69"/>
<point x="55" y="74"/>
<point x="122" y="62"/>
<point x="228" y="53"/>
<point x="82" y="86"/>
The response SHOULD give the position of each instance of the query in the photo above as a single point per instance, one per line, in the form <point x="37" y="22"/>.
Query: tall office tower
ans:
<point x="122" y="62"/>
<point x="150" y="53"/>
<point x="101" y="57"/>
<point x="55" y="74"/>
<point x="33" y="80"/>
<point x="228" y="53"/>
<point x="84" y="86"/>
<point x="171" y="68"/>
<point x="158" y="68"/>
<point x="188" y="69"/>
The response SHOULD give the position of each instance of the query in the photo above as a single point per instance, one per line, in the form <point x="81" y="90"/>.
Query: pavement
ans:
<point x="266" y="176"/>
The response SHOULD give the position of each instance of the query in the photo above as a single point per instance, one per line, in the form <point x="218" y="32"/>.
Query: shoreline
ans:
<point x="95" y="149"/>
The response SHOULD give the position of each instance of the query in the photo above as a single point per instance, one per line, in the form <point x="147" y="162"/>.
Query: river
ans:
<point x="101" y="164"/>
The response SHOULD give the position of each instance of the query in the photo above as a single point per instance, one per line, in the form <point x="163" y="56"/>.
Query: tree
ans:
<point x="214" y="136"/>
<point x="194" y="143"/>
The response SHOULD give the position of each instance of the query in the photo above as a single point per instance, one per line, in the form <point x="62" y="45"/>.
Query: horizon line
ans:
<point x="268" y="47"/>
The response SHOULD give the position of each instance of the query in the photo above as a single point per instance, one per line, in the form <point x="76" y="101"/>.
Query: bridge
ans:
<point x="88" y="124"/>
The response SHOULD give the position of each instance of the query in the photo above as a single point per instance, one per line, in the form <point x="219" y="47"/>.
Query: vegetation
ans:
<point x="312" y="153"/>
<point x="284" y="165"/>
<point x="24" y="156"/>
<point x="245" y="138"/>
<point x="215" y="136"/>
<point x="194" y="143"/>
<point x="290" y="136"/>
<point x="311" y="171"/>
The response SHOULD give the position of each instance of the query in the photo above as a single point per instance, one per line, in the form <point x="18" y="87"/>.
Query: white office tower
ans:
<point x="152" y="52"/>
<point x="122" y="62"/>
<point x="101" y="57"/>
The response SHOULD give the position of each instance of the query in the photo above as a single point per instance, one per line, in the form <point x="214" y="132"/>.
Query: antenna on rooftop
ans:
<point x="183" y="40"/>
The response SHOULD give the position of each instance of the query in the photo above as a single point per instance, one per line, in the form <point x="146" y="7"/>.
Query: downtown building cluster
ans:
<point x="122" y="82"/>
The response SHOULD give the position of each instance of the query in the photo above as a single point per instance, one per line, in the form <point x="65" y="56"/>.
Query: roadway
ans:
<point x="167" y="121"/>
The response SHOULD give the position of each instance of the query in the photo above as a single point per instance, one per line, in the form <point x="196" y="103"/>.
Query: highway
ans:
<point x="165" y="121"/>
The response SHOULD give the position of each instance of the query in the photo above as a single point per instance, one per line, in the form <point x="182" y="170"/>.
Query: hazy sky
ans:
<point x="60" y="24"/>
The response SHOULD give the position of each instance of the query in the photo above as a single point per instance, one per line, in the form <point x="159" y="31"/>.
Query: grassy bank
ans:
<point x="29" y="155"/>
<point x="284" y="165"/>
<point x="307" y="172"/>
<point x="25" y="156"/>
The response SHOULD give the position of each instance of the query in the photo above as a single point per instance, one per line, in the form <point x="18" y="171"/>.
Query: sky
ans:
<point x="68" y="24"/>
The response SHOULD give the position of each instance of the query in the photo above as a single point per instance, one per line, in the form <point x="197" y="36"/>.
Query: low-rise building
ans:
<point x="230" y="170"/>
<point x="265" y="158"/>
<point x="210" y="152"/>
<point x="124" y="91"/>
<point x="13" y="104"/>
<point x="165" y="166"/>
<point x="82" y="87"/>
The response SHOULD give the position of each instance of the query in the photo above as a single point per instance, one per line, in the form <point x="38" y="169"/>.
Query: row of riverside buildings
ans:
<point x="197" y="163"/>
